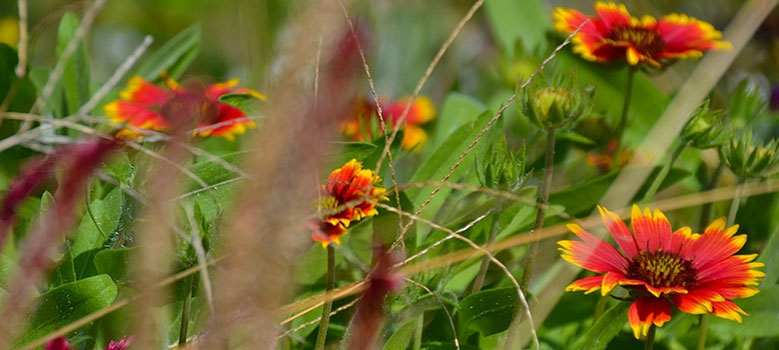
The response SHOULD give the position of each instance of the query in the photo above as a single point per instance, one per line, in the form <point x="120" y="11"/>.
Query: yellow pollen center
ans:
<point x="662" y="269"/>
<point x="648" y="42"/>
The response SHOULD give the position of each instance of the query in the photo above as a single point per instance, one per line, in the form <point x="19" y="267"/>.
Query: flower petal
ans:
<point x="613" y="14"/>
<point x="144" y="92"/>
<point x="622" y="235"/>
<point x="685" y="36"/>
<point x="652" y="231"/>
<point x="648" y="310"/>
<point x="593" y="254"/>
<point x="727" y="309"/>
<point x="587" y="284"/>
<point x="715" y="244"/>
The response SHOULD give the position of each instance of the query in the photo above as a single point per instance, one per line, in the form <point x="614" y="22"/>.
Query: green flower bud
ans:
<point x="748" y="160"/>
<point x="558" y="105"/>
<point x="501" y="169"/>
<point x="705" y="129"/>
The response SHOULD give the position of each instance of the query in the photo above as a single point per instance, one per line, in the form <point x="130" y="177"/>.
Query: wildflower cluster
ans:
<point x="143" y="105"/>
<point x="349" y="195"/>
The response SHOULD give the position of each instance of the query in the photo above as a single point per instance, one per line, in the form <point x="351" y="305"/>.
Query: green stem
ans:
<point x="543" y="204"/>
<point x="323" y="323"/>
<point x="624" y="118"/>
<point x="706" y="210"/>
<point x="702" y="332"/>
<point x="650" y="338"/>
<point x="663" y="172"/>
<point x="418" y="333"/>
<point x="735" y="203"/>
<point x="185" y="314"/>
<point x="600" y="308"/>
<point x="485" y="261"/>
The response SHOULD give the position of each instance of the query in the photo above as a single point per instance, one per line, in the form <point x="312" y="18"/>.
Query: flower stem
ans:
<point x="325" y="320"/>
<point x="543" y="204"/>
<point x="185" y="314"/>
<point x="706" y="210"/>
<point x="600" y="308"/>
<point x="702" y="332"/>
<point x="735" y="203"/>
<point x="485" y="261"/>
<point x="624" y="118"/>
<point x="663" y="172"/>
<point x="650" y="338"/>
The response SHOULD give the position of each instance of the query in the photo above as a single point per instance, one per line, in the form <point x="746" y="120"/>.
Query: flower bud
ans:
<point x="705" y="129"/>
<point x="557" y="105"/>
<point x="501" y="169"/>
<point x="748" y="160"/>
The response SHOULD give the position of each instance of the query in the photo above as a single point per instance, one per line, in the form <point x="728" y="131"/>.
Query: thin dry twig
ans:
<point x="21" y="66"/>
<point x="316" y="320"/>
<point x="70" y="49"/>
<point x="487" y="128"/>
<point x="443" y="307"/>
<point x="487" y="253"/>
<point x="25" y="135"/>
<point x="445" y="46"/>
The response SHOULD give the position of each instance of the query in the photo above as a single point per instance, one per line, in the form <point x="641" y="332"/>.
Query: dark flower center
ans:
<point x="648" y="42"/>
<point x="662" y="269"/>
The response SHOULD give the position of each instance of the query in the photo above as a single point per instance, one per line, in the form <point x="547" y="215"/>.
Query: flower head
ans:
<point x="705" y="129"/>
<point x="122" y="344"/>
<point x="143" y="105"/>
<point x="697" y="273"/>
<point x="748" y="159"/>
<point x="558" y="104"/>
<point x="615" y="35"/>
<point x="59" y="343"/>
<point x="365" y="112"/>
<point x="349" y="196"/>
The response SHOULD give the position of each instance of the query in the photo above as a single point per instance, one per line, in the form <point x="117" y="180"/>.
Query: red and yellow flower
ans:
<point x="352" y="192"/>
<point x="615" y="35"/>
<point x="142" y="103"/>
<point x="697" y="273"/>
<point x="364" y="113"/>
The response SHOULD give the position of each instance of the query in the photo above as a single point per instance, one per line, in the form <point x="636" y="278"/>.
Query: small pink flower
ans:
<point x="58" y="344"/>
<point x="123" y="344"/>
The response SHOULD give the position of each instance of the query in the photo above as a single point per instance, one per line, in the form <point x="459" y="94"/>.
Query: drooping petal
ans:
<point x="648" y="310"/>
<point x="136" y="114"/>
<point x="413" y="138"/>
<point x="230" y="121"/>
<point x="696" y="301"/>
<point x="587" y="284"/>
<point x="622" y="235"/>
<point x="728" y="310"/>
<point x="593" y="254"/>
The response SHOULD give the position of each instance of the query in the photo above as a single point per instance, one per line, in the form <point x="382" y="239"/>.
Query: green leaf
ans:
<point x="770" y="258"/>
<point x="173" y="57"/>
<point x="113" y="262"/>
<point x="7" y="269"/>
<point x="607" y="327"/>
<point x="513" y="20"/>
<point x="571" y="136"/>
<point x="400" y="339"/>
<point x="347" y="151"/>
<point x="211" y="172"/>
<point x="247" y="103"/>
<point x="67" y="303"/>
<point x="457" y="109"/>
<point x="89" y="238"/>
<point x="76" y="76"/>
<point x="762" y="308"/>
<point x="487" y="312"/>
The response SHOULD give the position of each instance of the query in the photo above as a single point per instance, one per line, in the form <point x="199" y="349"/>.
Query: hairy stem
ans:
<point x="663" y="172"/>
<point x="485" y="261"/>
<point x="624" y="118"/>
<point x="323" y="323"/>
<point x="650" y="338"/>
<point x="600" y="308"/>
<point x="543" y="204"/>
<point x="185" y="313"/>
<point x="702" y="332"/>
